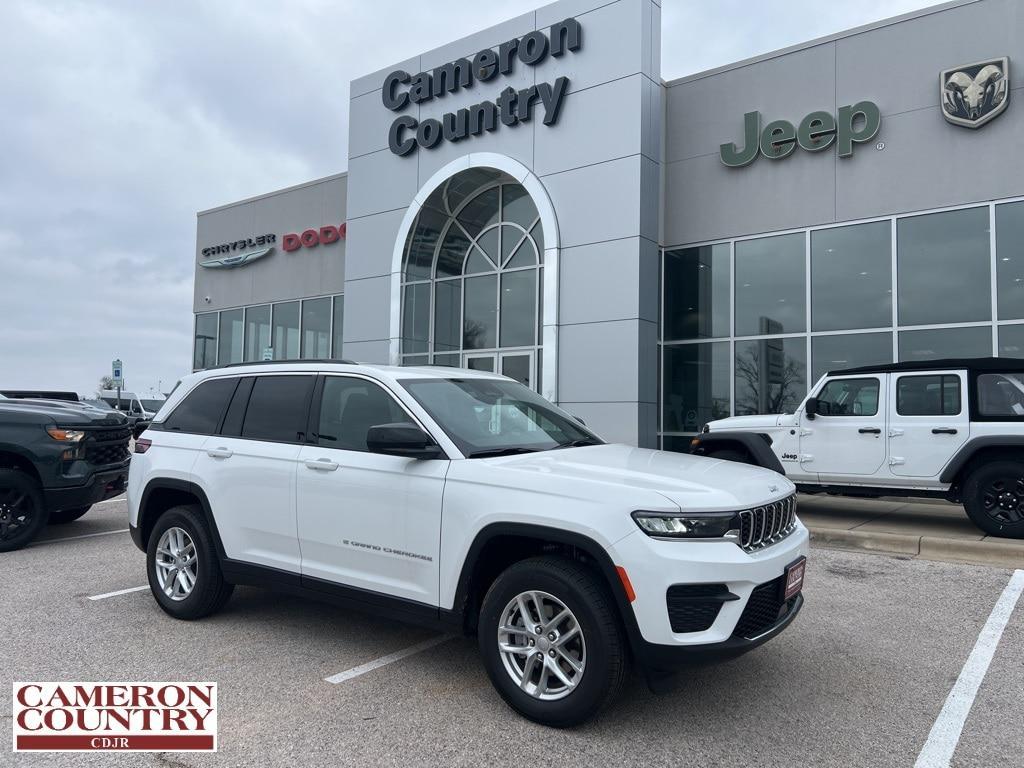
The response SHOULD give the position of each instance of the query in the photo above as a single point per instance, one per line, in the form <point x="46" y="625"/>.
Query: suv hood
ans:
<point x="751" y="422"/>
<point x="691" y="482"/>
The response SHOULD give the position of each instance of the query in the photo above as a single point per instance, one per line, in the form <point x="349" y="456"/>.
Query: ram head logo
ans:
<point x="973" y="94"/>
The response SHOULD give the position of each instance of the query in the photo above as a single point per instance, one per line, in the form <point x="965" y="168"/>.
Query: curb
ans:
<point x="994" y="553"/>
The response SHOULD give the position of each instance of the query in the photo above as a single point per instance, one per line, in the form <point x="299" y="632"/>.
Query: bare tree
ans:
<point x="761" y="395"/>
<point x="106" y="382"/>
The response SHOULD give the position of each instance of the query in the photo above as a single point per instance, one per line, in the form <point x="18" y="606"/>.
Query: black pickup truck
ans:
<point x="57" y="459"/>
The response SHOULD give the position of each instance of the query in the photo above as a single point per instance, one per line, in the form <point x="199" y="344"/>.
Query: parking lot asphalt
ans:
<point x="858" y="680"/>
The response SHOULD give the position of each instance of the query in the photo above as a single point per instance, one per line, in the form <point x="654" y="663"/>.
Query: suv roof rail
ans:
<point x="336" y="361"/>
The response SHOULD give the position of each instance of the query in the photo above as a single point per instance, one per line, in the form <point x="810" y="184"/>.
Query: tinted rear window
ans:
<point x="934" y="395"/>
<point x="278" y="408"/>
<point x="201" y="410"/>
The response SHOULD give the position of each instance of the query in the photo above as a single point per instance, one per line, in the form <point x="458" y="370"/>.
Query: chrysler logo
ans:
<point x="973" y="94"/>
<point x="235" y="260"/>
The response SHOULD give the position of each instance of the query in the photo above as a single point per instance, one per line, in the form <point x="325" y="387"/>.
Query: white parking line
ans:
<point x="945" y="734"/>
<point x="369" y="666"/>
<point x="105" y="595"/>
<point x="83" y="536"/>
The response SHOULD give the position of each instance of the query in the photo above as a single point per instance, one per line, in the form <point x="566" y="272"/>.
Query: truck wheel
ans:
<point x="729" y="455"/>
<point x="184" y="574"/>
<point x="22" y="513"/>
<point x="551" y="641"/>
<point x="60" y="517"/>
<point x="994" y="498"/>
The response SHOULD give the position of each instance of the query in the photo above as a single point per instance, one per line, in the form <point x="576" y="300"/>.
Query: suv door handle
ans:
<point x="870" y="431"/>
<point x="219" y="453"/>
<point x="324" y="465"/>
<point x="944" y="431"/>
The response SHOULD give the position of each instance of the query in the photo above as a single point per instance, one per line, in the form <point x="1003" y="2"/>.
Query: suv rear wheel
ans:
<point x="22" y="513"/>
<point x="181" y="561"/>
<point x="551" y="641"/>
<point x="994" y="498"/>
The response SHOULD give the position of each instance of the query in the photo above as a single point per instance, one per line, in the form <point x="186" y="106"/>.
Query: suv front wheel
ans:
<point x="551" y="641"/>
<point x="181" y="561"/>
<point x="994" y="498"/>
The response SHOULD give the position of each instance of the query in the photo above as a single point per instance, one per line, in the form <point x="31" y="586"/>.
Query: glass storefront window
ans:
<point x="696" y="385"/>
<point x="770" y="288"/>
<point x="204" y="349"/>
<point x="832" y="353"/>
<point x="943" y="267"/>
<point x="337" y="331"/>
<point x="316" y="328"/>
<point x="771" y="375"/>
<point x="1011" y="341"/>
<point x="851" y="277"/>
<point x="479" y="329"/>
<point x="257" y="331"/>
<point x="286" y="331"/>
<point x="229" y="345"/>
<point x="696" y="291"/>
<point x="1010" y="262"/>
<point x="938" y="343"/>
<point x="518" y="308"/>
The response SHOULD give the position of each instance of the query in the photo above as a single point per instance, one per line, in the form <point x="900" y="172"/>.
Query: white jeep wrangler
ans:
<point x="951" y="429"/>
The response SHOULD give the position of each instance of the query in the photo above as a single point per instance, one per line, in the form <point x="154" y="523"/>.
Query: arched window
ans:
<point x="471" y="279"/>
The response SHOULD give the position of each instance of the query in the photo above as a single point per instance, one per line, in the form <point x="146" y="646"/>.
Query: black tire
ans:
<point x="210" y="592"/>
<point x="586" y="595"/>
<point x="727" y="454"/>
<point x="994" y="498"/>
<point x="22" y="512"/>
<point x="64" y="516"/>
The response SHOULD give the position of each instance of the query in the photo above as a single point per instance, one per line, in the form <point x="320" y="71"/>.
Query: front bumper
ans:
<point x="657" y="657"/>
<point x="102" y="485"/>
<point x="653" y="566"/>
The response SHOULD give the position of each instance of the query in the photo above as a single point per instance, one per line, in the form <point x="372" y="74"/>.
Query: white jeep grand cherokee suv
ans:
<point x="461" y="499"/>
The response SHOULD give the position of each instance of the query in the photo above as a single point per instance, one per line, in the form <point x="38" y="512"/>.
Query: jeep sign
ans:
<point x="817" y="131"/>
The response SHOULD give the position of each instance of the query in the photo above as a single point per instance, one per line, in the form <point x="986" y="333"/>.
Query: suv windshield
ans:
<point x="491" y="417"/>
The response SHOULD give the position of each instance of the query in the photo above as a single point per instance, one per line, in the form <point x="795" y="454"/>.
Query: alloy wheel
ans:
<point x="541" y="645"/>
<point x="1003" y="499"/>
<point x="175" y="564"/>
<point x="16" y="512"/>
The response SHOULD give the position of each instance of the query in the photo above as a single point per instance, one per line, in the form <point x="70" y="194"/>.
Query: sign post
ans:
<point x="117" y="374"/>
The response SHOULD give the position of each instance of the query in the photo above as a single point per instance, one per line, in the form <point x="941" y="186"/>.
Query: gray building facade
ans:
<point x="535" y="200"/>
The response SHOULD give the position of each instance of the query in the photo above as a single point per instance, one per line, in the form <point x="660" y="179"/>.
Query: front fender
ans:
<point x="757" y="444"/>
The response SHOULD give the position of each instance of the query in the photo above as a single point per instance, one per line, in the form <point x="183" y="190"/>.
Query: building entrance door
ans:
<point x="519" y="365"/>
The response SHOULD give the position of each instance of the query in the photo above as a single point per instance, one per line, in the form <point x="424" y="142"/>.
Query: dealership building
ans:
<point x="536" y="200"/>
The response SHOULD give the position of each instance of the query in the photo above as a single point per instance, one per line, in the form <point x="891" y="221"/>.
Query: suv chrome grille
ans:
<point x="763" y="526"/>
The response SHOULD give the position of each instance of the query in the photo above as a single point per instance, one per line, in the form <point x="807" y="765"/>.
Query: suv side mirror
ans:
<point x="811" y="407"/>
<point x="402" y="439"/>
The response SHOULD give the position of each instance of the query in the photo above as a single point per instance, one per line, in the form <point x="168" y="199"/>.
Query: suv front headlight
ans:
<point x="695" y="525"/>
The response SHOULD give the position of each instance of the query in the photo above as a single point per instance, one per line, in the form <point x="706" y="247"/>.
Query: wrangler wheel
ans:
<point x="994" y="498"/>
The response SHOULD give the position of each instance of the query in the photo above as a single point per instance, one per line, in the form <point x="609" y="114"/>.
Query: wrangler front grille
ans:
<point x="763" y="526"/>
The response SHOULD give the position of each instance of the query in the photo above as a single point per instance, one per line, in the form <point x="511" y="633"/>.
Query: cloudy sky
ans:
<point x="125" y="117"/>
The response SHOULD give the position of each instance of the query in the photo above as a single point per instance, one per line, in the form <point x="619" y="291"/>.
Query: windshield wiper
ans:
<point x="499" y="452"/>
<point x="580" y="443"/>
